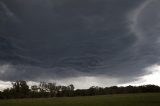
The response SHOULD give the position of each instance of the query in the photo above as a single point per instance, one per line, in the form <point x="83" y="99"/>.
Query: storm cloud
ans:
<point x="56" y="39"/>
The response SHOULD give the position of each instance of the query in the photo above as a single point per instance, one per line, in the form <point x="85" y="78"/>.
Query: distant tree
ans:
<point x="1" y="95"/>
<point x="70" y="90"/>
<point x="93" y="90"/>
<point x="34" y="88"/>
<point x="43" y="87"/>
<point x="51" y="87"/>
<point x="6" y="94"/>
<point x="71" y="87"/>
<point x="59" y="91"/>
<point x="20" y="88"/>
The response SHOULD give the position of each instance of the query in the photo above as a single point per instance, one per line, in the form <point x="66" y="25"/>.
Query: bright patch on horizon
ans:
<point x="153" y="77"/>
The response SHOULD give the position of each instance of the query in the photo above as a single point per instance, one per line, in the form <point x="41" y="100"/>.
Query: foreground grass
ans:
<point x="149" y="99"/>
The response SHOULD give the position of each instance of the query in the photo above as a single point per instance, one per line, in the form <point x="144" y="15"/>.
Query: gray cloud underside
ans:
<point x="66" y="38"/>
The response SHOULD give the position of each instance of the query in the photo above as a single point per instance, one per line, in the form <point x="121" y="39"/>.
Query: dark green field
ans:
<point x="110" y="100"/>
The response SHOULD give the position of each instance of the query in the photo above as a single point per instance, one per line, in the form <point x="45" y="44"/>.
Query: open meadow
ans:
<point x="148" y="99"/>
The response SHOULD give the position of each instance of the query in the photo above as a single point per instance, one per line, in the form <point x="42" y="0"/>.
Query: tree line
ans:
<point x="20" y="89"/>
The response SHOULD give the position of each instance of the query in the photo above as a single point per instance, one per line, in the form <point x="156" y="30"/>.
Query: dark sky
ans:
<point x="43" y="40"/>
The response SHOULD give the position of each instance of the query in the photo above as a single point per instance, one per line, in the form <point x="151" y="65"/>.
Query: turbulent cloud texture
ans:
<point x="56" y="39"/>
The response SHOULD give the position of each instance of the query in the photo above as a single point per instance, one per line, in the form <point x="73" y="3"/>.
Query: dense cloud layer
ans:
<point x="53" y="39"/>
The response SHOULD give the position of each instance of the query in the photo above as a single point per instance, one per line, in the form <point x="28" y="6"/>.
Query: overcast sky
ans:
<point x="84" y="42"/>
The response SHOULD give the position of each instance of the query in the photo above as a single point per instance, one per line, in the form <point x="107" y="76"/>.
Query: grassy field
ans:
<point x="149" y="99"/>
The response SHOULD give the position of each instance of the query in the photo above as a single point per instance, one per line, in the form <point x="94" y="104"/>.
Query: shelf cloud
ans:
<point x="47" y="40"/>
